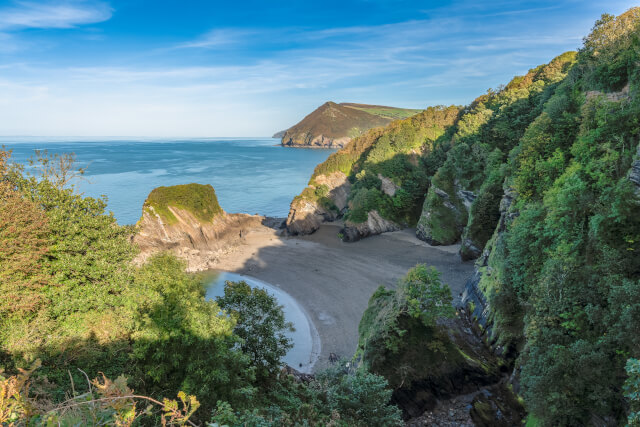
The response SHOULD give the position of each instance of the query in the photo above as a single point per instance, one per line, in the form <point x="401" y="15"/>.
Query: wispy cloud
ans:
<point x="255" y="80"/>
<point x="66" y="14"/>
<point x="217" y="38"/>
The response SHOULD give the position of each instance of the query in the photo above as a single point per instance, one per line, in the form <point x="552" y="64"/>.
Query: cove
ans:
<point x="306" y="341"/>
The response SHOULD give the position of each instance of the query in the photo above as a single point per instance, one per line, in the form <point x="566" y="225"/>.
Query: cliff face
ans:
<point x="326" y="201"/>
<point x="199" y="241"/>
<point x="376" y="182"/>
<point x="333" y="125"/>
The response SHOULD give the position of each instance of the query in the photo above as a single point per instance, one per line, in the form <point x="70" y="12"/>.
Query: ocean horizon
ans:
<point x="250" y="175"/>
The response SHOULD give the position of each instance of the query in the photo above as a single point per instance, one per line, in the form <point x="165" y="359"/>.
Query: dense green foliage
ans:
<point x="260" y="324"/>
<point x="85" y="306"/>
<point x="399" y="336"/>
<point x="334" y="397"/>
<point x="486" y="131"/>
<point x="395" y="153"/>
<point x="74" y="305"/>
<point x="200" y="200"/>
<point x="632" y="391"/>
<point x="563" y="274"/>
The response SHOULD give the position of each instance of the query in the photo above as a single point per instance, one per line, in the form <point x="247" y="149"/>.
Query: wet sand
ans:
<point x="333" y="280"/>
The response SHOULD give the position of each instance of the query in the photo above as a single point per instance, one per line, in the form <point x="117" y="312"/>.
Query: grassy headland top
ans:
<point x="334" y="124"/>
<point x="200" y="200"/>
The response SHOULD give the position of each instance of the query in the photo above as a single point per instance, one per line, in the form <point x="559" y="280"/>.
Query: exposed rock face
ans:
<point x="305" y="216"/>
<point x="610" y="96"/>
<point x="314" y="141"/>
<point x="496" y="406"/>
<point x="374" y="225"/>
<point x="467" y="198"/>
<point x="473" y="296"/>
<point x="197" y="242"/>
<point x="388" y="187"/>
<point x="634" y="172"/>
<point x="307" y="213"/>
<point x="469" y="250"/>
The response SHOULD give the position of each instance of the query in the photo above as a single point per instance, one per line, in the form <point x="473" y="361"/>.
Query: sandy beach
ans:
<point x="333" y="280"/>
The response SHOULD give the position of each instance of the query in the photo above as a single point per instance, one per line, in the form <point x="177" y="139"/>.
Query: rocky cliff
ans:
<point x="324" y="199"/>
<point x="376" y="182"/>
<point x="333" y="125"/>
<point x="188" y="221"/>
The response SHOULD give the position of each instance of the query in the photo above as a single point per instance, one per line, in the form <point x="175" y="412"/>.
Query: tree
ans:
<point x="427" y="298"/>
<point x="632" y="391"/>
<point x="23" y="244"/>
<point x="361" y="398"/>
<point x="260" y="324"/>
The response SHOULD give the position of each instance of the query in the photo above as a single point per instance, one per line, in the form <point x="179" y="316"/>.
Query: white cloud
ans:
<point x="409" y="64"/>
<point x="217" y="38"/>
<point x="66" y="14"/>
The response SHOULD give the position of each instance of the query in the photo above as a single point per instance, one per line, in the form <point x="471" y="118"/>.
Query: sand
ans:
<point x="333" y="281"/>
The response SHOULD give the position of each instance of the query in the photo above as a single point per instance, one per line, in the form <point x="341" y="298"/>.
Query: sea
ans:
<point x="250" y="175"/>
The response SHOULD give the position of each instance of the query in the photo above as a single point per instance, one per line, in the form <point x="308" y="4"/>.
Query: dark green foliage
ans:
<point x="361" y="399"/>
<point x="182" y="342"/>
<point x="632" y="391"/>
<point x="200" y="200"/>
<point x="563" y="277"/>
<point x="260" y="325"/>
<point x="334" y="397"/>
<point x="484" y="212"/>
<point x="398" y="333"/>
<point x="393" y="152"/>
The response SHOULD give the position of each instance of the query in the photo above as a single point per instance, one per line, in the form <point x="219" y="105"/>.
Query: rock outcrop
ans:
<point x="176" y="227"/>
<point x="634" y="172"/>
<point x="326" y="200"/>
<point x="428" y="362"/>
<point x="473" y="297"/>
<point x="444" y="216"/>
<point x="323" y="200"/>
<point x="375" y="224"/>
<point x="387" y="186"/>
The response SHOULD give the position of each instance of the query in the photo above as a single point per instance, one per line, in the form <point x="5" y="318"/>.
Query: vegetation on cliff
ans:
<point x="394" y="153"/>
<point x="408" y="335"/>
<point x="542" y="175"/>
<point x="199" y="200"/>
<point x="561" y="272"/>
<point x="74" y="306"/>
<point x="482" y="138"/>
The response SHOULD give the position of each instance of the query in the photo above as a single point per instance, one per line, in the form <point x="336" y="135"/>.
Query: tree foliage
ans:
<point x="260" y="324"/>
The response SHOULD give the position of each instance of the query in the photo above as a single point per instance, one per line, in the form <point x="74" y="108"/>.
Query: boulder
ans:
<point x="323" y="200"/>
<point x="375" y="224"/>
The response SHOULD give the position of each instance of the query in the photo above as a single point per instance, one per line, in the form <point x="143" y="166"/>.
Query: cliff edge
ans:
<point x="188" y="221"/>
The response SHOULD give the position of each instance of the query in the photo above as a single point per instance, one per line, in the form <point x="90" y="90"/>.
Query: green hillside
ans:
<point x="333" y="125"/>
<point x="392" y="113"/>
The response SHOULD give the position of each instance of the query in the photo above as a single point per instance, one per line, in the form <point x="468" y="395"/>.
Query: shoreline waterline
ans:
<point x="306" y="339"/>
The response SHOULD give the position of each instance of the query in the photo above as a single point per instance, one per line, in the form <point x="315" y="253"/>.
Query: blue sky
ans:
<point x="251" y="68"/>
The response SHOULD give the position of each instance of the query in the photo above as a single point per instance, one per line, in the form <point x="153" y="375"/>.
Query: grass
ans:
<point x="392" y="113"/>
<point x="200" y="200"/>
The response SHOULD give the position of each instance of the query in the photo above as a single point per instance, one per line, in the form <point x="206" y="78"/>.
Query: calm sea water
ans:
<point x="249" y="175"/>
